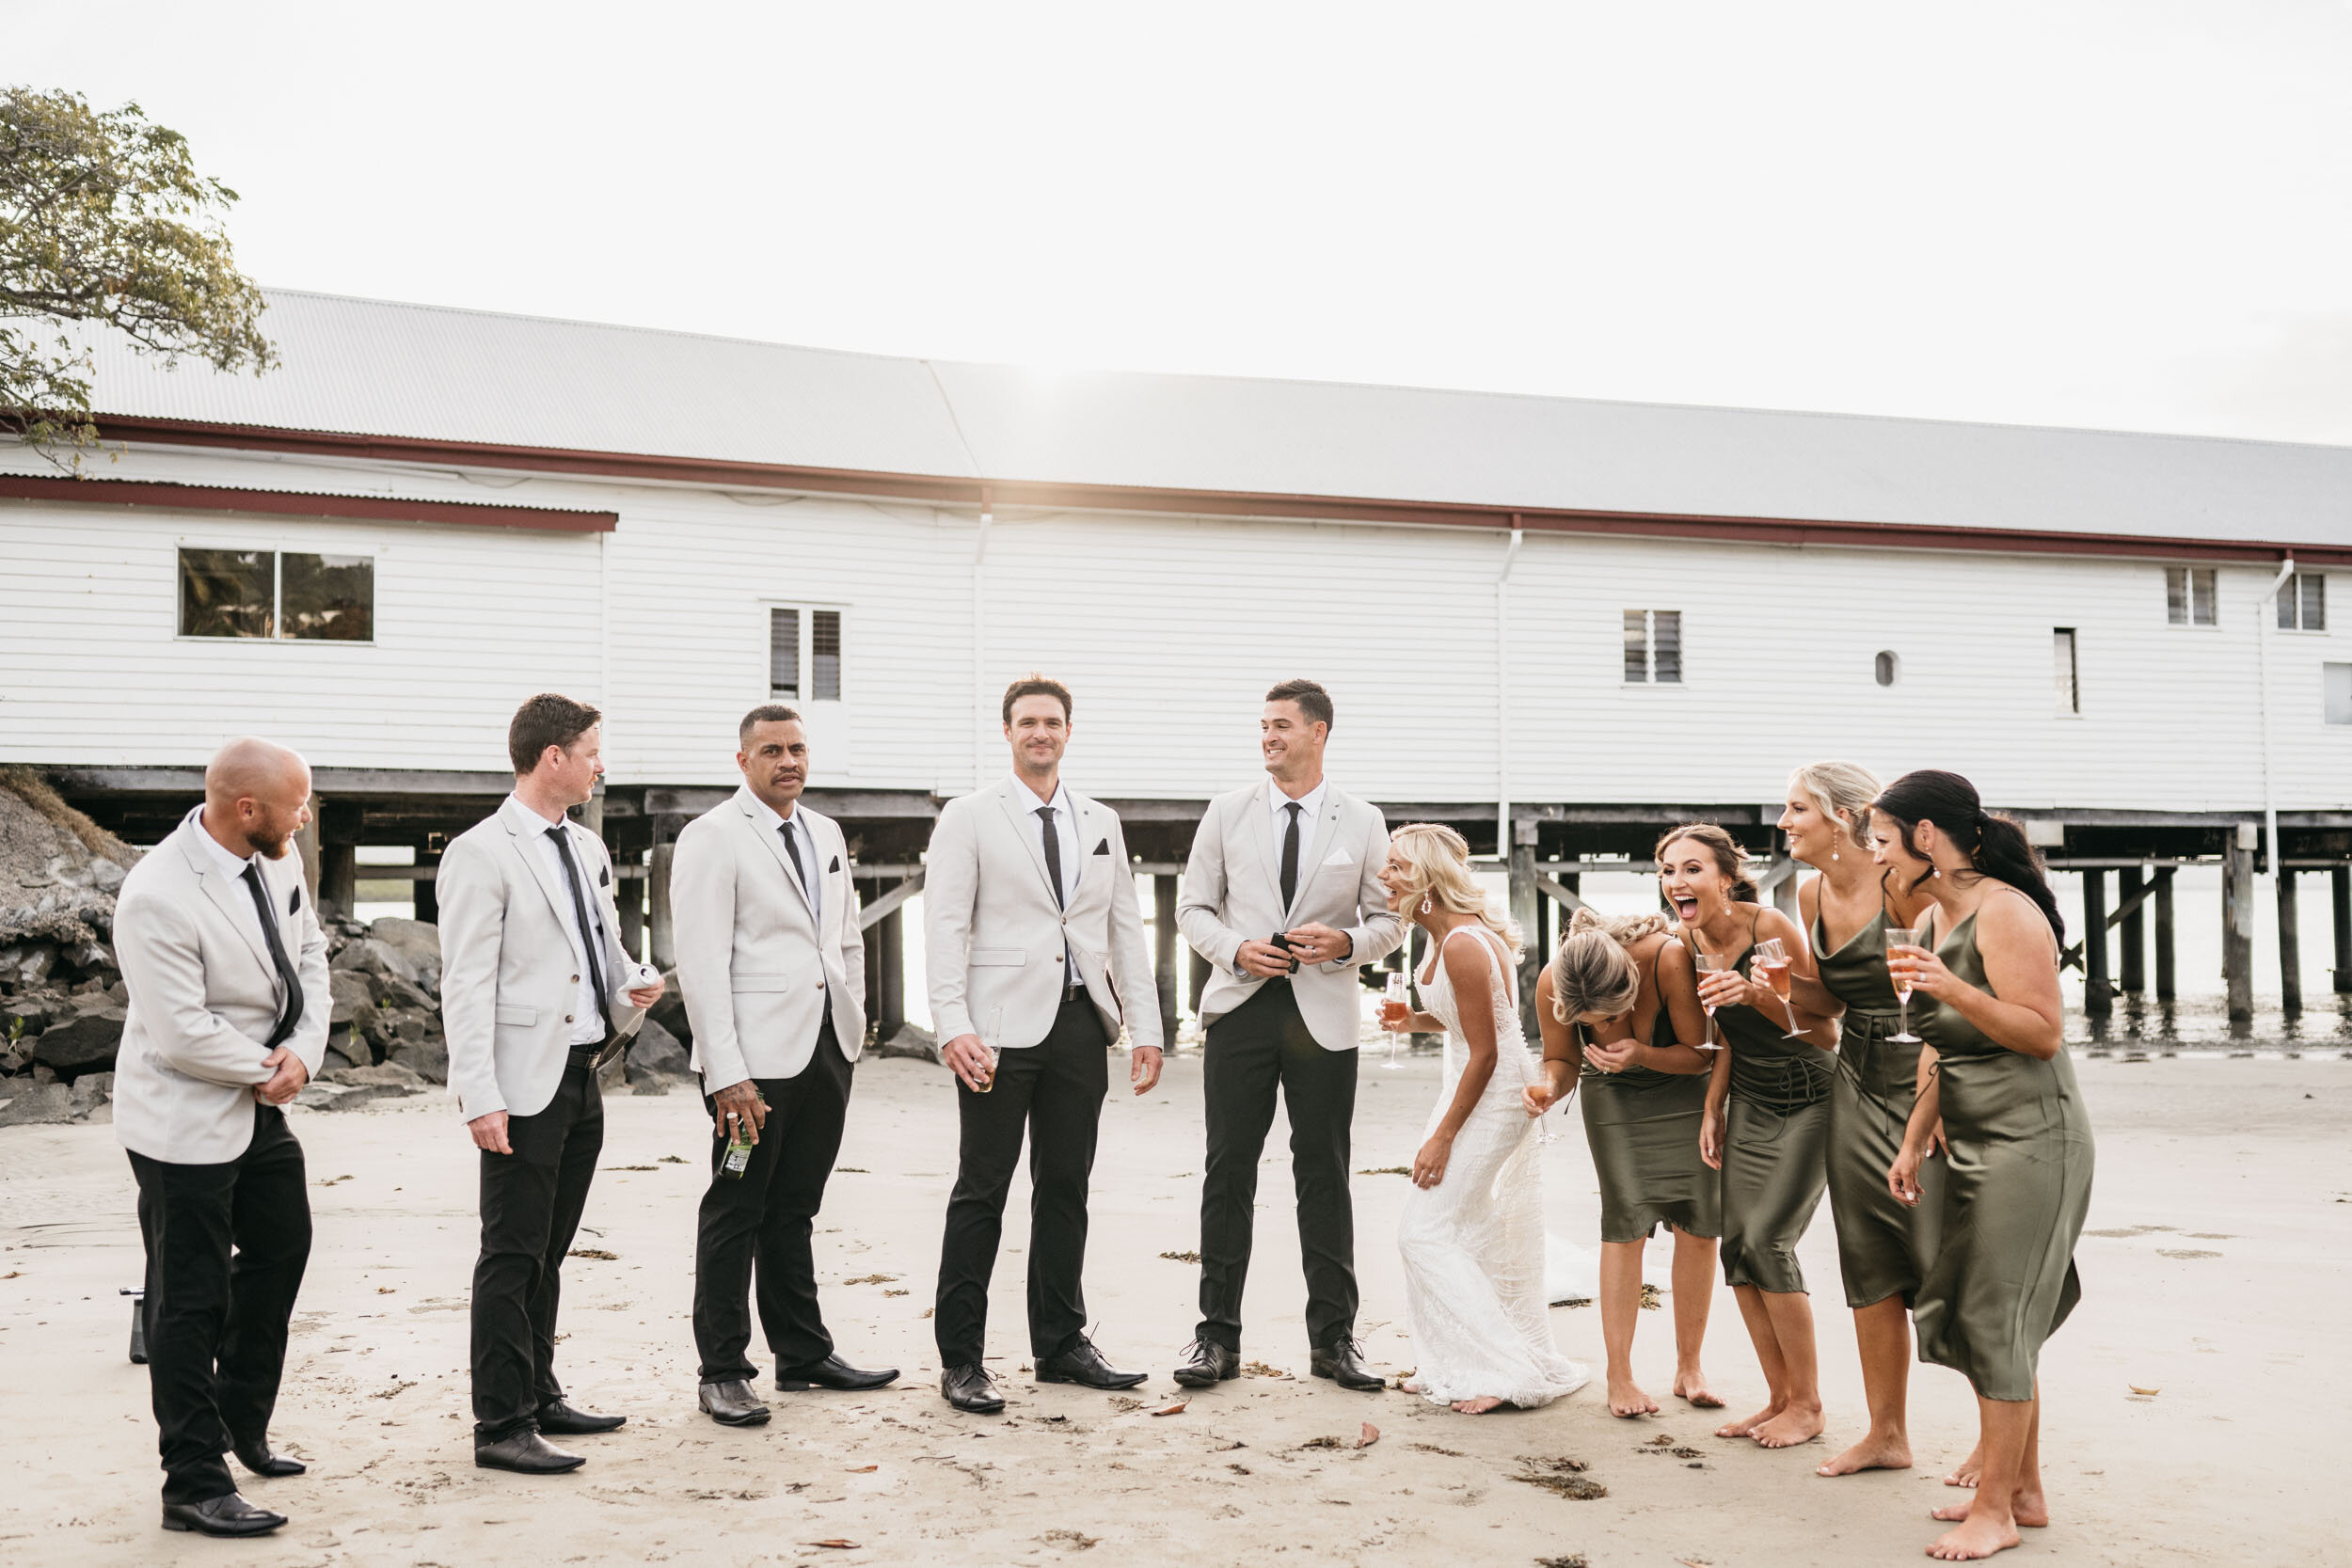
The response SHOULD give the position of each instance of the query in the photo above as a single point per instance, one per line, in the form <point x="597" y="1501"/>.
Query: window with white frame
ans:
<point x="1653" y="647"/>
<point x="803" y="654"/>
<point x="2069" y="690"/>
<point x="2303" y="603"/>
<point x="288" y="594"/>
<point x="2188" y="595"/>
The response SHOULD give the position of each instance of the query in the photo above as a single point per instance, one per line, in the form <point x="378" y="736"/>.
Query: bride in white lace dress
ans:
<point x="1472" y="1233"/>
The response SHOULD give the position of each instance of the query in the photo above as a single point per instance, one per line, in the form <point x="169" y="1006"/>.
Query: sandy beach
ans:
<point x="2216" y="1273"/>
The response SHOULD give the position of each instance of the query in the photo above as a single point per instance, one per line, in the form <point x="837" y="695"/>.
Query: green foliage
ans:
<point x="103" y="218"/>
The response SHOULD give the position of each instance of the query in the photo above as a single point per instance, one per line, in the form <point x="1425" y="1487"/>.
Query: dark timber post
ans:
<point x="629" y="894"/>
<point x="1197" y="983"/>
<point x="2163" y="901"/>
<point x="2289" y="940"/>
<point x="660" y="929"/>
<point x="2133" y="971"/>
<point x="1524" y="915"/>
<point x="887" y="941"/>
<point x="2238" y="924"/>
<point x="1164" y="945"/>
<point x="428" y="895"/>
<point x="2340" y="896"/>
<point x="2098" y="996"/>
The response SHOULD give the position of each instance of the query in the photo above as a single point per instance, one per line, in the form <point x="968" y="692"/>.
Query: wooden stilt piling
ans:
<point x="2238" y="924"/>
<point x="2340" y="900"/>
<point x="2163" y="901"/>
<point x="2290" y="943"/>
<point x="2132" y="971"/>
<point x="1164" y="950"/>
<point x="2098" y="993"/>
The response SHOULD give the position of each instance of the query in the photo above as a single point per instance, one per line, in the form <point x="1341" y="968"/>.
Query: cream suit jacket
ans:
<point x="756" y="972"/>
<point x="993" y="940"/>
<point x="204" y="996"/>
<point x="1233" y="893"/>
<point x="508" y="988"/>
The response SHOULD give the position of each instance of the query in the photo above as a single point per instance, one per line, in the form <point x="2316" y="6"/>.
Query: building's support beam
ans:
<point x="906" y="888"/>
<point x="886" y="974"/>
<point x="1198" y="981"/>
<point x="2290" y="944"/>
<point x="1164" y="946"/>
<point x="1780" y="880"/>
<point x="660" y="932"/>
<point x="2098" y="994"/>
<point x="2132" y="971"/>
<point x="2165" y="988"/>
<point x="2340" y="900"/>
<point x="1523" y="916"/>
<point x="2238" y="924"/>
<point x="306" y="839"/>
<point x="1562" y="889"/>
<point x="628" y="892"/>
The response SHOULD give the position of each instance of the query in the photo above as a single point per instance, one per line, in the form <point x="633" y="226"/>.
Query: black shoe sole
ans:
<point x="757" y="1419"/>
<point x="1372" y="1388"/>
<point x="1108" y="1387"/>
<point x="795" y="1386"/>
<point x="1195" y="1377"/>
<point x="994" y="1408"/>
<point x="224" y="1534"/>
<point x="480" y="1464"/>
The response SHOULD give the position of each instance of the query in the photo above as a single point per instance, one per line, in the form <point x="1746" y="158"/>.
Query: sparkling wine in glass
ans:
<point x="1772" y="963"/>
<point x="992" y="1032"/>
<point x="1903" y="936"/>
<point x="1396" y="1008"/>
<point x="1709" y="965"/>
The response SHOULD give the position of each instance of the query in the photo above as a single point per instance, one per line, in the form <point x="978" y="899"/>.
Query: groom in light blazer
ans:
<point x="772" y="968"/>
<point x="227" y="969"/>
<point x="1033" y="940"/>
<point x="537" y="995"/>
<point x="1282" y="897"/>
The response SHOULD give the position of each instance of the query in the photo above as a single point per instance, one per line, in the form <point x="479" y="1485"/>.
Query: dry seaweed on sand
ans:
<point x="1651" y="1300"/>
<point x="1662" y="1444"/>
<point x="1187" y="1257"/>
<point x="1326" y="1443"/>
<point x="1387" y="1170"/>
<point x="1259" y="1368"/>
<point x="1573" y="1560"/>
<point x="1561" y="1476"/>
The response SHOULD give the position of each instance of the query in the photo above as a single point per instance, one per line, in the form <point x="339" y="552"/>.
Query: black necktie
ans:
<point x="293" y="1013"/>
<point x="1053" y="853"/>
<point x="1289" y="858"/>
<point x="588" y="931"/>
<point x="800" y="867"/>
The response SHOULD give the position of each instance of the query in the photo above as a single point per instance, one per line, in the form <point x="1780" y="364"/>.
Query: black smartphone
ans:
<point x="1282" y="941"/>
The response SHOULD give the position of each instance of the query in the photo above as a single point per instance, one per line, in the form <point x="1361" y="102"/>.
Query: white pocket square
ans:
<point x="1339" y="857"/>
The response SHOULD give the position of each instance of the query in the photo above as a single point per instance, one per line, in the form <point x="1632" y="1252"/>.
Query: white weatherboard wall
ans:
<point x="1170" y="629"/>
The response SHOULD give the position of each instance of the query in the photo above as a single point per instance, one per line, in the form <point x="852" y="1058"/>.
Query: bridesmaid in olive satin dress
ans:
<point x="2018" y="1145"/>
<point x="1884" y="1245"/>
<point x="1767" y="1124"/>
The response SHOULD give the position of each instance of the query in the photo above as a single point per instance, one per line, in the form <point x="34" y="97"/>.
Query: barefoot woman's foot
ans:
<point x="1872" y="1454"/>
<point x="1691" y="1387"/>
<point x="1968" y="1469"/>
<point x="1795" y="1425"/>
<point x="2029" y="1508"/>
<point x="1625" y="1401"/>
<point x="1478" y="1406"/>
<point x="1747" y="1428"/>
<point x="1974" y="1538"/>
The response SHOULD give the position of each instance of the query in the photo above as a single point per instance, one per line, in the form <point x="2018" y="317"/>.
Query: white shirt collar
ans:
<point x="1309" y="804"/>
<point x="1060" y="801"/>
<point x="772" y="819"/>
<point x="229" y="865"/>
<point x="524" y="821"/>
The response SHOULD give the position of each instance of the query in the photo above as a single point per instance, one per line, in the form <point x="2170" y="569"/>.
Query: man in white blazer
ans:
<point x="227" y="969"/>
<point x="771" y="965"/>
<point x="1033" y="945"/>
<point x="1282" y="897"/>
<point x="536" y="994"/>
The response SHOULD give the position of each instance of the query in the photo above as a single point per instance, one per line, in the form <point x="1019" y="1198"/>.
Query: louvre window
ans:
<point x="804" y="655"/>
<point x="2188" y="595"/>
<point x="2062" y="652"/>
<point x="292" y="595"/>
<point x="1653" y="646"/>
<point x="2303" y="603"/>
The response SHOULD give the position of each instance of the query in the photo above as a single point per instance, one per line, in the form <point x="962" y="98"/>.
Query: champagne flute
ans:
<point x="992" y="1032"/>
<point x="1903" y="936"/>
<point x="1709" y="964"/>
<point x="1771" y="961"/>
<point x="1395" y="1007"/>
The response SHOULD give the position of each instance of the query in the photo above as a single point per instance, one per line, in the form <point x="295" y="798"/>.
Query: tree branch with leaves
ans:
<point x="104" y="219"/>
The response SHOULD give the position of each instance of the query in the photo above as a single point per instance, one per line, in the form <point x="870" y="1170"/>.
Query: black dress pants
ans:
<point x="1258" y="1047"/>
<point x="765" y="1217"/>
<point x="531" y="1201"/>
<point x="1053" y="1091"/>
<point x="226" y="1247"/>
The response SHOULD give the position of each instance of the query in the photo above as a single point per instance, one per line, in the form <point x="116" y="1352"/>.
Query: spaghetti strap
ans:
<point x="1494" y="950"/>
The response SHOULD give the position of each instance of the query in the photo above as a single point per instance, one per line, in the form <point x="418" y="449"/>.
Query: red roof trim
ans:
<point x="955" y="491"/>
<point x="219" y="497"/>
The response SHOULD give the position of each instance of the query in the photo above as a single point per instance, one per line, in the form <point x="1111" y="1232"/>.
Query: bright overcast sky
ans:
<point x="2133" y="213"/>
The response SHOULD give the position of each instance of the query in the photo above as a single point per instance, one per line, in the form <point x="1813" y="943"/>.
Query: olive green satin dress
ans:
<point x="2015" y="1195"/>
<point x="1775" y="1145"/>
<point x="1883" y="1244"/>
<point x="1643" y="1128"/>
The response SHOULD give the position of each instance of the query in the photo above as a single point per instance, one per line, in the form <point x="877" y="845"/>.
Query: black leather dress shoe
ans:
<point x="526" y="1454"/>
<point x="970" y="1387"/>
<point x="1207" y="1362"/>
<point x="1343" y="1362"/>
<point x="563" y="1420"/>
<point x="255" y="1455"/>
<point x="1082" y="1363"/>
<point x="227" y="1514"/>
<point x="832" y="1373"/>
<point x="732" y="1403"/>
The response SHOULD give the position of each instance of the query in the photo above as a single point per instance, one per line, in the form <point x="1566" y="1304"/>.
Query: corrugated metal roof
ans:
<point x="376" y="368"/>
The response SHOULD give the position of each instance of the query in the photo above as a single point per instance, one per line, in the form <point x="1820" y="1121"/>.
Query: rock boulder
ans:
<point x="83" y="1038"/>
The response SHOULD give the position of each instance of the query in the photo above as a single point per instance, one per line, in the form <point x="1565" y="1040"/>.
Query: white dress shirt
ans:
<point x="248" y="919"/>
<point x="588" y="1009"/>
<point x="812" y="875"/>
<point x="1066" y="829"/>
<point x="1310" y="815"/>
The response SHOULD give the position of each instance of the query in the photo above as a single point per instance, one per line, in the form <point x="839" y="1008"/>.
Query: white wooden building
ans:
<point x="1577" y="616"/>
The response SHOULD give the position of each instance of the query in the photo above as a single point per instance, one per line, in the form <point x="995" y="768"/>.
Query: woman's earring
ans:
<point x="1425" y="903"/>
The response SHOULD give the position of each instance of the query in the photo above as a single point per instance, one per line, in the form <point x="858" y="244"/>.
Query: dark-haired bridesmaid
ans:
<point x="2018" y="1146"/>
<point x="1884" y="1245"/>
<point x="1766" y="1125"/>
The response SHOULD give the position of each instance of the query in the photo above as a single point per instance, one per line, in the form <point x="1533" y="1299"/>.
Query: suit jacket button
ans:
<point x="574" y="979"/>
<point x="567" y="1017"/>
